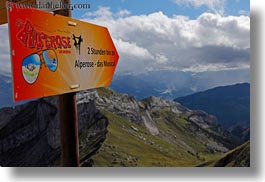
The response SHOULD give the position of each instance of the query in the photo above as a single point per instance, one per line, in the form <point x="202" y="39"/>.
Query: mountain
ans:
<point x="156" y="132"/>
<point x="114" y="130"/>
<point x="171" y="84"/>
<point x="239" y="157"/>
<point x="30" y="134"/>
<point x="165" y="84"/>
<point x="157" y="83"/>
<point x="6" y="96"/>
<point x="230" y="104"/>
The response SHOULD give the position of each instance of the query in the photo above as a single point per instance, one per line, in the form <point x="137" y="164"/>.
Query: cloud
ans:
<point x="161" y="59"/>
<point x="134" y="56"/>
<point x="104" y="13"/>
<point x="131" y="49"/>
<point x="158" y="42"/>
<point x="5" y="68"/>
<point x="123" y="13"/>
<point x="217" y="6"/>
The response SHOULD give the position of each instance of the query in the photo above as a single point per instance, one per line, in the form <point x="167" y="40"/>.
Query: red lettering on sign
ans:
<point x="30" y="38"/>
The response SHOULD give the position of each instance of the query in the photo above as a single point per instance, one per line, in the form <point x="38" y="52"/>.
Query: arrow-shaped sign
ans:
<point x="52" y="54"/>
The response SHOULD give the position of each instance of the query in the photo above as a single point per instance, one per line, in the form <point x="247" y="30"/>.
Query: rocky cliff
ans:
<point x="30" y="135"/>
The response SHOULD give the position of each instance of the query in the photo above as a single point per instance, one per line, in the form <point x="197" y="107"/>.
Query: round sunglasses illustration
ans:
<point x="32" y="64"/>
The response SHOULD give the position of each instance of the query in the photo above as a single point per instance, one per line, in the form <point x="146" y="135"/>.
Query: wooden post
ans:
<point x="69" y="130"/>
<point x="68" y="119"/>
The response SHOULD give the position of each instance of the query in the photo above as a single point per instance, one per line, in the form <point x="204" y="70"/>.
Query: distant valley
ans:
<point x="165" y="84"/>
<point x="173" y="84"/>
<point x="230" y="104"/>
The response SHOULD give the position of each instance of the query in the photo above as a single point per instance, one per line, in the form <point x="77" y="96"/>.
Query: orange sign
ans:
<point x="53" y="54"/>
<point x="3" y="14"/>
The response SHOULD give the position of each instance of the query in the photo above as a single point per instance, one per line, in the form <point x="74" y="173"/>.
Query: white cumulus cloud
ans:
<point x="158" y="42"/>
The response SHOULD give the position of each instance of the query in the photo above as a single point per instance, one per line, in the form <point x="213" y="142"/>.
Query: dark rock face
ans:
<point x="123" y="105"/>
<point x="30" y="133"/>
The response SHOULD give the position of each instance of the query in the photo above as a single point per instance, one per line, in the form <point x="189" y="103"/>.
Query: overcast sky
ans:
<point x="184" y="35"/>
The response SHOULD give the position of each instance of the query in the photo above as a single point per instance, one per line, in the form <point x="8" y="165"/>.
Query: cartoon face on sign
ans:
<point x="32" y="64"/>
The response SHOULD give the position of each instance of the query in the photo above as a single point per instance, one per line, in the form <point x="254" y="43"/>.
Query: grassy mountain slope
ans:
<point x="156" y="132"/>
<point x="239" y="157"/>
<point x="129" y="144"/>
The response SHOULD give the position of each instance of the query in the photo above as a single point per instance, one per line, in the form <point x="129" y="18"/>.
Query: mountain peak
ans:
<point x="230" y="104"/>
<point x="156" y="103"/>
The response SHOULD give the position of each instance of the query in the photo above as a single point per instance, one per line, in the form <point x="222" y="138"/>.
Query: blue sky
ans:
<point x="168" y="7"/>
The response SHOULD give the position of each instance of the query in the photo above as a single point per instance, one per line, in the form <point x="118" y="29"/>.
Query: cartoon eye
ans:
<point x="50" y="59"/>
<point x="31" y="67"/>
